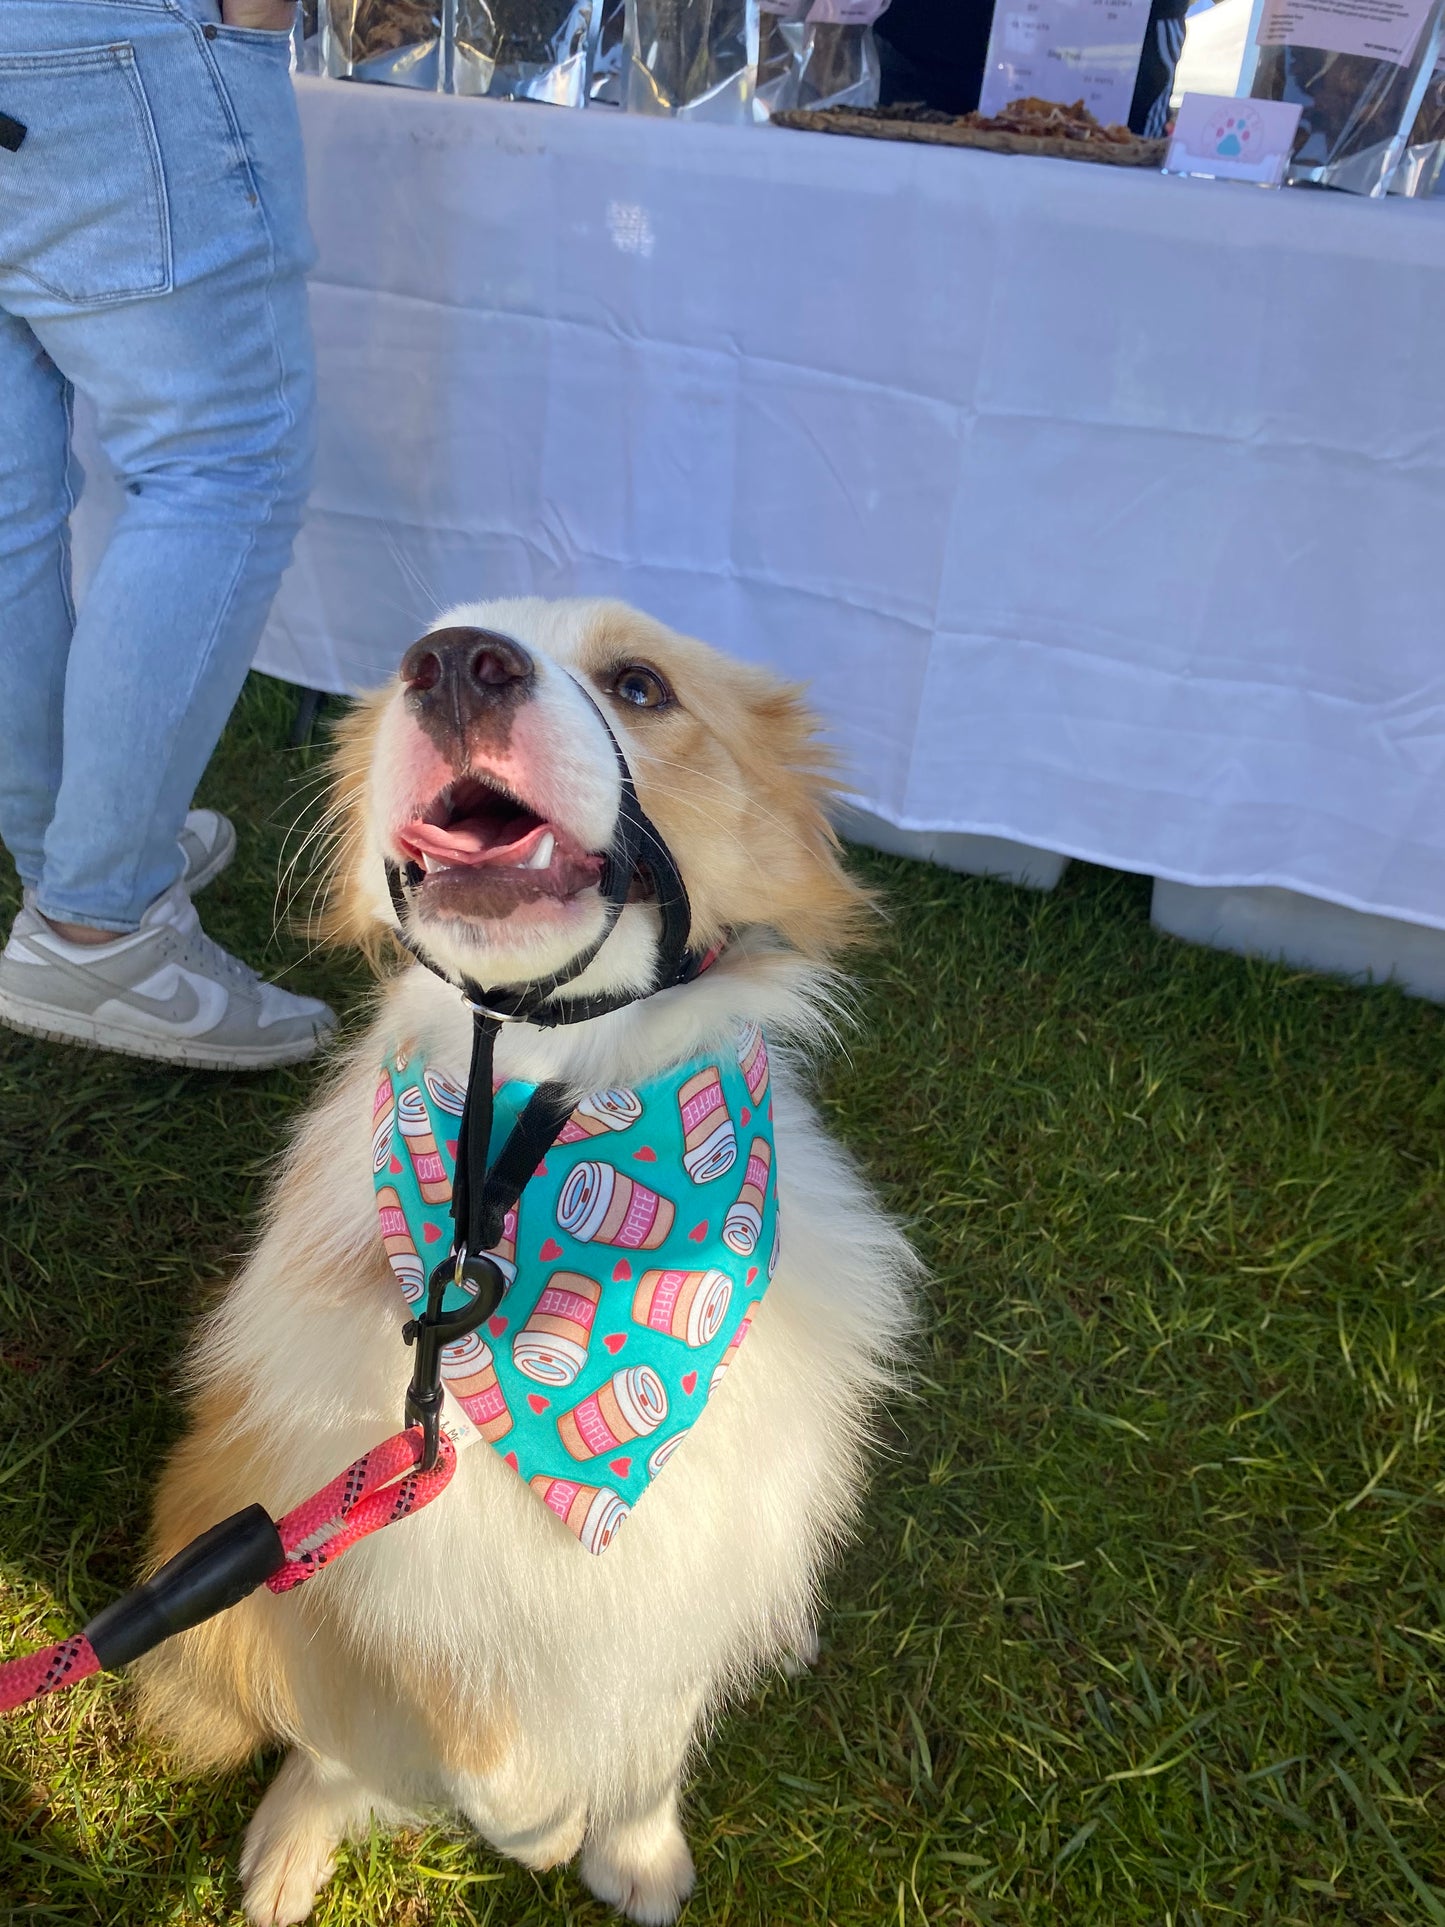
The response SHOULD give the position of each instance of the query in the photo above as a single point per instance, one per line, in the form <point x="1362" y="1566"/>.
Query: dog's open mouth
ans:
<point x="481" y="852"/>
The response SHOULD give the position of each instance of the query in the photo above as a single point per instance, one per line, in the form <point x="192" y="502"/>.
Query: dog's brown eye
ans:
<point x="641" y="686"/>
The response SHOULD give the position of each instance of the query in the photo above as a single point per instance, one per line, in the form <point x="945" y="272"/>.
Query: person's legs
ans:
<point x="204" y="395"/>
<point x="153" y="236"/>
<point x="36" y="614"/>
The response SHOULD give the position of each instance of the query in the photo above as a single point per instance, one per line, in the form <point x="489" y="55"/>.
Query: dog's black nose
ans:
<point x="456" y="677"/>
<point x="472" y="660"/>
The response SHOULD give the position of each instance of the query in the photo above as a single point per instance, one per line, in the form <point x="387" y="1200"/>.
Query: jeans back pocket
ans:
<point x="83" y="214"/>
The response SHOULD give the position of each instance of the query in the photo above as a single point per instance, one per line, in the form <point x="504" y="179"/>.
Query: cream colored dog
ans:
<point x="475" y="1659"/>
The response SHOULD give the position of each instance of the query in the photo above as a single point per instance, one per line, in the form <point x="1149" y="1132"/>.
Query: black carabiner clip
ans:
<point x="482" y="1278"/>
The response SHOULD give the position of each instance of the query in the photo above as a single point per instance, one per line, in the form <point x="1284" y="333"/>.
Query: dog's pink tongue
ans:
<point x="463" y="842"/>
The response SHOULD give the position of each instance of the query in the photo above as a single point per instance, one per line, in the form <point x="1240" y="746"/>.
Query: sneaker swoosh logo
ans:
<point x="174" y="1002"/>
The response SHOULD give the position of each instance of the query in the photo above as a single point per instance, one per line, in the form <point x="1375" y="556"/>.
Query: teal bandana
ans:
<point x="634" y="1262"/>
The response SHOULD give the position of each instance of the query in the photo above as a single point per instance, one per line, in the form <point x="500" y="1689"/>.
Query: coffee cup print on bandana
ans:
<point x="743" y="1225"/>
<point x="421" y="1146"/>
<point x="720" y="1370"/>
<point x="552" y="1346"/>
<point x="630" y="1405"/>
<point x="396" y="1241"/>
<point x="662" y="1453"/>
<point x="600" y="1205"/>
<point x="381" y="1125"/>
<point x="593" y="1512"/>
<point x="444" y="1091"/>
<point x="470" y="1375"/>
<point x="690" y="1305"/>
<point x="710" y="1144"/>
<point x="601" y="1112"/>
<point x="753" y="1058"/>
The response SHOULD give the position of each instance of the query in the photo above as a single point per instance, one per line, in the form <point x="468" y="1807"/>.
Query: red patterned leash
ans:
<point x="232" y="1559"/>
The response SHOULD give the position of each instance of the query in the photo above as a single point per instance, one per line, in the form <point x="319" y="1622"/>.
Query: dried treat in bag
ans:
<point x="395" y="41"/>
<point x="1358" y="69"/>
<point x="817" y="53"/>
<point x="839" y="64"/>
<point x="695" y="59"/>
<point x="525" y="49"/>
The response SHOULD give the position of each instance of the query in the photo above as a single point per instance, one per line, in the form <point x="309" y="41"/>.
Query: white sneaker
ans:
<point x="164" y="991"/>
<point x="208" y="842"/>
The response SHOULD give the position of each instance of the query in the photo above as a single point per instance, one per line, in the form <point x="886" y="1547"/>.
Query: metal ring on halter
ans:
<point x="479" y="1009"/>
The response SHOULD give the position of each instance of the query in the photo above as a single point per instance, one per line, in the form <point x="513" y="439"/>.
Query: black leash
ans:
<point x="483" y="1194"/>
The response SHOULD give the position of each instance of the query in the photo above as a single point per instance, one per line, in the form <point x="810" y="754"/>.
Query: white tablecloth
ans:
<point x="1100" y="510"/>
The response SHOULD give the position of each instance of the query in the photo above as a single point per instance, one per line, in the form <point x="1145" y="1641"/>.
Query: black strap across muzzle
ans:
<point x="482" y="1195"/>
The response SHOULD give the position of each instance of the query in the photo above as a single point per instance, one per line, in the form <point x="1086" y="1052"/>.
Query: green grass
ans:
<point x="1146" y="1626"/>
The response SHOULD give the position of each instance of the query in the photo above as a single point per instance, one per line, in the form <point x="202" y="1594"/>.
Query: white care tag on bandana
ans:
<point x="1063" y="51"/>
<point x="455" y="1423"/>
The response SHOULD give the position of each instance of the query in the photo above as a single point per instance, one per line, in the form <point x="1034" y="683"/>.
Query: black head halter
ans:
<point x="482" y="1197"/>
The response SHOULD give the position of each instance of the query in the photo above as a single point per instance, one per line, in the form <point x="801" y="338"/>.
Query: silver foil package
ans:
<point x="524" y="49"/>
<point x="1423" y="161"/>
<point x="605" y="86"/>
<point x="817" y="53"/>
<point x="691" y="59"/>
<point x="399" y="42"/>
<point x="1357" y="106"/>
<point x="839" y="65"/>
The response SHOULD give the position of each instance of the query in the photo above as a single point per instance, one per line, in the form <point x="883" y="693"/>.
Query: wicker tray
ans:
<point x="878" y="124"/>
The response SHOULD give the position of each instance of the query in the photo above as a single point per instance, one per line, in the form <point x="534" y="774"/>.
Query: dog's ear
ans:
<point x="816" y="906"/>
<point x="347" y="913"/>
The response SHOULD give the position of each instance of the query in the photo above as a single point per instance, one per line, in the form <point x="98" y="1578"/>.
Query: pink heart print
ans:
<point x="620" y="1271"/>
<point x="689" y="1383"/>
<point x="614" y="1341"/>
<point x="549" y="1251"/>
<point x="698" y="1232"/>
<point x="537" y="1402"/>
<point x="496" y="1326"/>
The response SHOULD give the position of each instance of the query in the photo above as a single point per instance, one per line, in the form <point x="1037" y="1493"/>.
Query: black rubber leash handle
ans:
<point x="213" y="1572"/>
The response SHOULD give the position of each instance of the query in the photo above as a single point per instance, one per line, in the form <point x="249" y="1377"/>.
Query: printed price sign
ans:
<point x="1233" y="140"/>
<point x="1066" y="50"/>
<point x="1374" y="29"/>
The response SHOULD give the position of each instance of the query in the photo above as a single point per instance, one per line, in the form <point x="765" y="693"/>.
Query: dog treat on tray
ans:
<point x="396" y="41"/>
<point x="525" y="49"/>
<point x="1359" y="70"/>
<point x="1027" y="126"/>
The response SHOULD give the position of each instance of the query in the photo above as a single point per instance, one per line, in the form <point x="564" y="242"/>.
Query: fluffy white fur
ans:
<point x="475" y="1659"/>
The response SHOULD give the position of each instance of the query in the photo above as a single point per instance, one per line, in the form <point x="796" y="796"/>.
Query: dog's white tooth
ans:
<point x="428" y="862"/>
<point x="541" y="857"/>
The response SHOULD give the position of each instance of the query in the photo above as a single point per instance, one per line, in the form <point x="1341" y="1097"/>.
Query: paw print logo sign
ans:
<point x="1236" y="133"/>
<point x="1233" y="140"/>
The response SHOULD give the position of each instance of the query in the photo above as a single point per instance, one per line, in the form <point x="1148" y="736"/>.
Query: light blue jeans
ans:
<point x="153" y="254"/>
